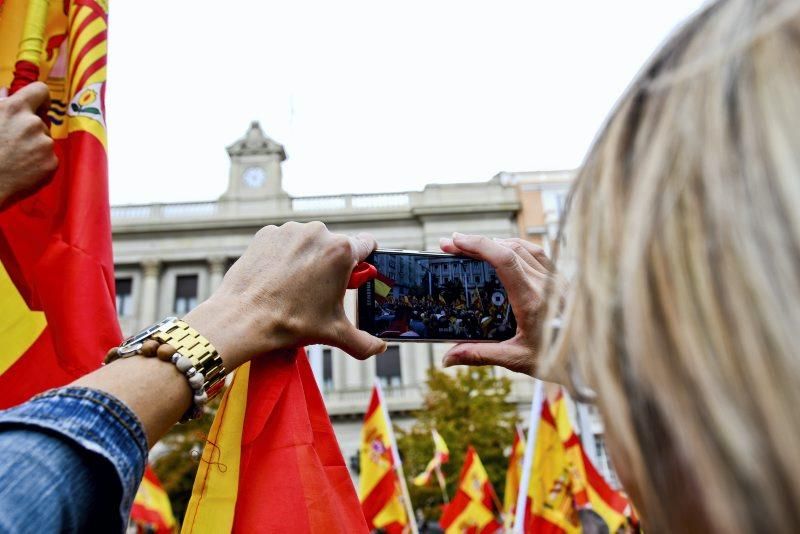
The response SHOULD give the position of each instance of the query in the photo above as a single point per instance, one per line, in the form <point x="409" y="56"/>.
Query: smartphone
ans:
<point x="433" y="296"/>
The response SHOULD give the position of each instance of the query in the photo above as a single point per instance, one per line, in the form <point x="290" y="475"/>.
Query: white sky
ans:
<point x="366" y="95"/>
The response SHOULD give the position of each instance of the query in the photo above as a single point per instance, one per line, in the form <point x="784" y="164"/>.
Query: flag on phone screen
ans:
<point x="383" y="286"/>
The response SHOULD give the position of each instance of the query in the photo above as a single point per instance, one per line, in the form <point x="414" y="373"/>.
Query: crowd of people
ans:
<point x="430" y="317"/>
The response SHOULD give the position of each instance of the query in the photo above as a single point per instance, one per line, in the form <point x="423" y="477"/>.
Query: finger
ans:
<point x="362" y="245"/>
<point x="447" y="245"/>
<point x="33" y="96"/>
<point x="358" y="343"/>
<point x="523" y="252"/>
<point x="505" y="261"/>
<point x="536" y="251"/>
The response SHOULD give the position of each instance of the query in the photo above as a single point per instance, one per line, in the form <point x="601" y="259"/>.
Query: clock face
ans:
<point x="254" y="176"/>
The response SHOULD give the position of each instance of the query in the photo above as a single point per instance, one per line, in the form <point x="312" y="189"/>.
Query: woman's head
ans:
<point x="684" y="233"/>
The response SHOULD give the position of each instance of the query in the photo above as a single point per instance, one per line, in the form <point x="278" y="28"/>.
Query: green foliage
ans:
<point x="470" y="408"/>
<point x="176" y="468"/>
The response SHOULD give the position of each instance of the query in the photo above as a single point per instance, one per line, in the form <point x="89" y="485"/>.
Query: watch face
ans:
<point x="254" y="176"/>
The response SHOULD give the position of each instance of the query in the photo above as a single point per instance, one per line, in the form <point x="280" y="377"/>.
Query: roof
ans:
<point x="255" y="142"/>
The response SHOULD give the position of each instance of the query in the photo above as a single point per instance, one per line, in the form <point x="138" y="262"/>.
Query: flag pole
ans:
<point x="398" y="463"/>
<point x="442" y="484"/>
<point x="530" y="450"/>
<point x="438" y="469"/>
<point x="587" y="433"/>
<point x="31" y="45"/>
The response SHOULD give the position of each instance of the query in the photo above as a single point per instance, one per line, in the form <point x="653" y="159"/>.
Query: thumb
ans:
<point x="504" y="355"/>
<point x="33" y="96"/>
<point x="358" y="343"/>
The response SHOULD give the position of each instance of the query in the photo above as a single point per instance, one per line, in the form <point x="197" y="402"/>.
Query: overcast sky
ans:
<point x="366" y="95"/>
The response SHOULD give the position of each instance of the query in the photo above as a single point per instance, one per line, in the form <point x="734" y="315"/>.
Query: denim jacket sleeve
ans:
<point x="71" y="460"/>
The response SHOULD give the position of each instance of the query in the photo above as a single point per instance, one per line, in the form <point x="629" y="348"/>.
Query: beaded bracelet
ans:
<point x="196" y="381"/>
<point x="184" y="365"/>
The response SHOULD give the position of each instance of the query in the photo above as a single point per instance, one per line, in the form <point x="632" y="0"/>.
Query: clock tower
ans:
<point x="255" y="167"/>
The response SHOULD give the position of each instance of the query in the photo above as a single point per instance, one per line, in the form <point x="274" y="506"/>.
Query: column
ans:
<point x="353" y="369"/>
<point x="151" y="269"/>
<point x="216" y="269"/>
<point x="586" y="425"/>
<point x="315" y="359"/>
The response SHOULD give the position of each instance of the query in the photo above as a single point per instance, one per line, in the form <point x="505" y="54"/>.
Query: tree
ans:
<point x="453" y="289"/>
<point x="468" y="408"/>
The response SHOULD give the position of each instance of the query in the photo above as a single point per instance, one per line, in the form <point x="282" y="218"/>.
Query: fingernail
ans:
<point x="457" y="235"/>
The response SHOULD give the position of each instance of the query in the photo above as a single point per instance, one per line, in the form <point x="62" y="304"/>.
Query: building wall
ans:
<point x="542" y="197"/>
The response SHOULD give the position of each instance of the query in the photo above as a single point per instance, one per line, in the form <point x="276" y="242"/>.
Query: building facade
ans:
<point x="169" y="257"/>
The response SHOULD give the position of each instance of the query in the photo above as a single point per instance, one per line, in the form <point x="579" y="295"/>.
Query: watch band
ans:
<point x="190" y="343"/>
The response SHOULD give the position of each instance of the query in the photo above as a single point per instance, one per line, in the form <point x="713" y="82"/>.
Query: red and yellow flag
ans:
<point x="550" y="507"/>
<point x="513" y="479"/>
<point x="56" y="268"/>
<point x="441" y="455"/>
<point x="271" y="462"/>
<point x="383" y="286"/>
<point x="566" y="493"/>
<point x="594" y="498"/>
<point x="474" y="507"/>
<point x="151" y="512"/>
<point x="378" y="484"/>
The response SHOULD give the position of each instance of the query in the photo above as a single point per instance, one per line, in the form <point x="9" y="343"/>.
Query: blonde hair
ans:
<point x="684" y="312"/>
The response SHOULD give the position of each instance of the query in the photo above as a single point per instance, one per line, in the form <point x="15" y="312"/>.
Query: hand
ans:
<point x="286" y="291"/>
<point x="27" y="159"/>
<point x="525" y="271"/>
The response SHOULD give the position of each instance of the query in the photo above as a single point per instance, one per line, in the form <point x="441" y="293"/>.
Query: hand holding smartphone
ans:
<point x="433" y="296"/>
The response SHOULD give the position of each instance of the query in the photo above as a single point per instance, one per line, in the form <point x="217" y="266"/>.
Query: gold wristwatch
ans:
<point x="188" y="343"/>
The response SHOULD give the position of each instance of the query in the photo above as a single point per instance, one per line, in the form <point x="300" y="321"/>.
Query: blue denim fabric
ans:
<point x="71" y="460"/>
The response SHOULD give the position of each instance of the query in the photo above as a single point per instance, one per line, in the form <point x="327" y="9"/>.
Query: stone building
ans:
<point x="171" y="256"/>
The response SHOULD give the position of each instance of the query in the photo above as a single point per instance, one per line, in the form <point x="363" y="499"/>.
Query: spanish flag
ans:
<point x="441" y="455"/>
<point x="566" y="493"/>
<point x="383" y="286"/>
<point x="151" y="512"/>
<point x="271" y="462"/>
<point x="513" y="480"/>
<point x="56" y="268"/>
<point x="550" y="507"/>
<point x="474" y="507"/>
<point x="379" y="486"/>
<point x="594" y="498"/>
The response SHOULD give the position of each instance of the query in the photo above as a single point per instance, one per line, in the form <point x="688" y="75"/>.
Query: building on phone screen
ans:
<point x="171" y="256"/>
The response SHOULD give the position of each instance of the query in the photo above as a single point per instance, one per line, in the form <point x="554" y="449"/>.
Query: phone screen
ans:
<point x="429" y="296"/>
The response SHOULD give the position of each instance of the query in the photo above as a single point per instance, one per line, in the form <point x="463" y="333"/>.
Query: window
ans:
<point x="387" y="367"/>
<point x="185" y="293"/>
<point x="604" y="463"/>
<point x="561" y="203"/>
<point x="124" y="296"/>
<point x="327" y="370"/>
<point x="477" y="279"/>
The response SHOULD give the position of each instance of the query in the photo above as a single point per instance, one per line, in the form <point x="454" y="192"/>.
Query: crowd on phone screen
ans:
<point x="433" y="317"/>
